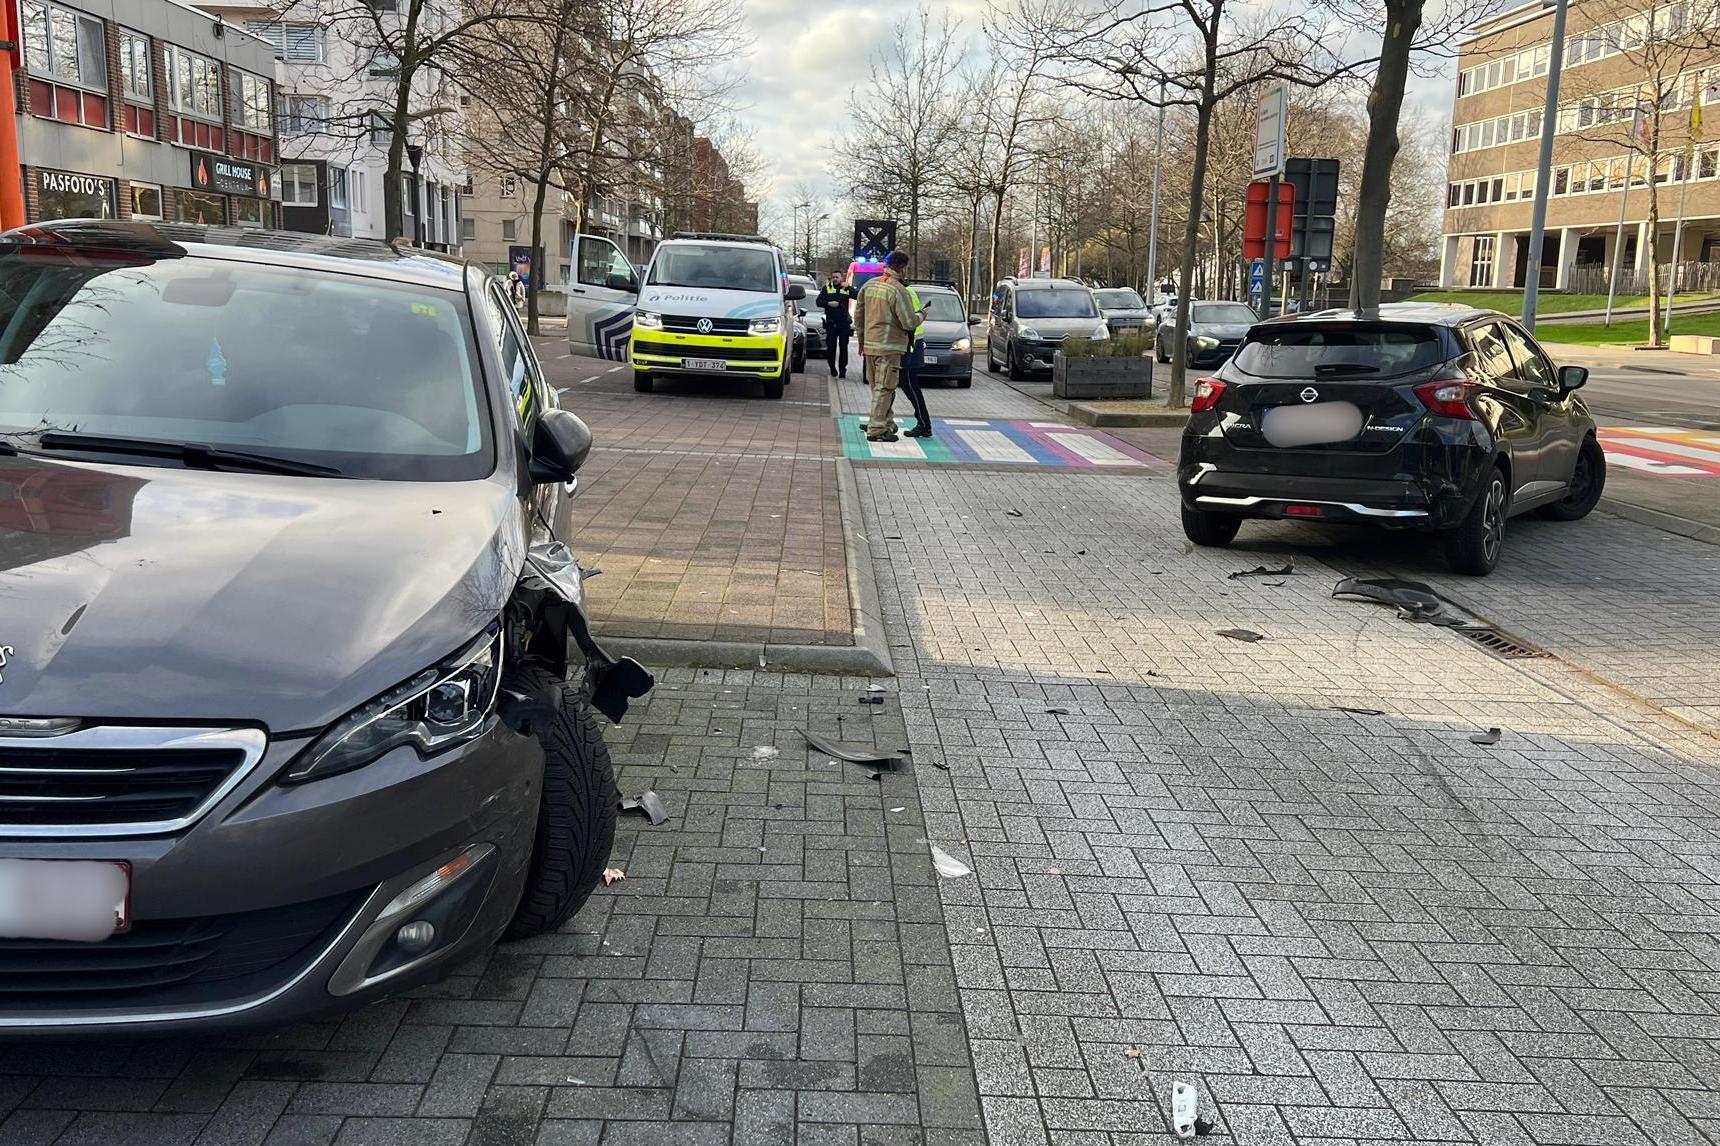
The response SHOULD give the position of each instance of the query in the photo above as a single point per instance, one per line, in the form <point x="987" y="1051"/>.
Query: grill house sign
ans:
<point x="211" y="172"/>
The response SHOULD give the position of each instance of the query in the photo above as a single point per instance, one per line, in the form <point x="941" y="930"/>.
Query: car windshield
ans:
<point x="1226" y="312"/>
<point x="1119" y="298"/>
<point x="942" y="306"/>
<point x="371" y="378"/>
<point x="1292" y="351"/>
<point x="1050" y="303"/>
<point x="715" y="266"/>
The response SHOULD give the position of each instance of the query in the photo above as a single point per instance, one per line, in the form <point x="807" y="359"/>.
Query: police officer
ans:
<point x="912" y="363"/>
<point x="834" y="300"/>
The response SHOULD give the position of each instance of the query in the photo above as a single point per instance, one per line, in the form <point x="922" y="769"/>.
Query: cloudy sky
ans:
<point x="810" y="55"/>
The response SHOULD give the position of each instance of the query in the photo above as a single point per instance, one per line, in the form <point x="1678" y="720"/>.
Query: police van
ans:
<point x="709" y="306"/>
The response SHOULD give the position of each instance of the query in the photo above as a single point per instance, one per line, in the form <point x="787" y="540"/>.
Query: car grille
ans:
<point x="163" y="960"/>
<point x="726" y="353"/>
<point x="681" y="324"/>
<point x="119" y="780"/>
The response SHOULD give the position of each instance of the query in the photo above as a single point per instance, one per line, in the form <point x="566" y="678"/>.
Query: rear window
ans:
<point x="1295" y="351"/>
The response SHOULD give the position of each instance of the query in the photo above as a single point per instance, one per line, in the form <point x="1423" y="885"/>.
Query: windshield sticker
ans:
<point x="217" y="363"/>
<point x="425" y="308"/>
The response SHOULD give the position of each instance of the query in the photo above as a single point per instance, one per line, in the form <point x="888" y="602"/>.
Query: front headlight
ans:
<point x="1028" y="332"/>
<point x="648" y="319"/>
<point x="764" y="325"/>
<point x="962" y="344"/>
<point x="446" y="705"/>
<point x="1101" y="331"/>
<point x="1204" y="341"/>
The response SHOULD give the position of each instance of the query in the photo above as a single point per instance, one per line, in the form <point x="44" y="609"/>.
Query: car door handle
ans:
<point x="575" y="290"/>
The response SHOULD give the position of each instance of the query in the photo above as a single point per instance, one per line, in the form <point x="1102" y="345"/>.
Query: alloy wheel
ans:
<point x="1493" y="520"/>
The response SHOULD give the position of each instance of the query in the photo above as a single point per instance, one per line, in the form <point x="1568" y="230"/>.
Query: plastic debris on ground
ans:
<point x="1358" y="711"/>
<point x="1491" y="736"/>
<point x="853" y="753"/>
<point x="1283" y="570"/>
<point x="1185" y="1106"/>
<point x="649" y="804"/>
<point x="766" y="752"/>
<point x="948" y="865"/>
<point x="613" y="875"/>
<point x="1414" y="600"/>
<point x="1242" y="635"/>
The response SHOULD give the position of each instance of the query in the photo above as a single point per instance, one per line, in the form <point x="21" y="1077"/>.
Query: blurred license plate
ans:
<point x="64" y="899"/>
<point x="931" y="360"/>
<point x="1311" y="425"/>
<point x="705" y="364"/>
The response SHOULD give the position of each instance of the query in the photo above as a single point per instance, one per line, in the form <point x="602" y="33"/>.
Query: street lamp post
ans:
<point x="415" y="153"/>
<point x="1544" y="167"/>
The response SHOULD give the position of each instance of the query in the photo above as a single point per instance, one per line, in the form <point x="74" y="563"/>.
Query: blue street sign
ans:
<point x="1256" y="275"/>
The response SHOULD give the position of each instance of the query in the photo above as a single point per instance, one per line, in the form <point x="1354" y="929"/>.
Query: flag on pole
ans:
<point x="1696" y="119"/>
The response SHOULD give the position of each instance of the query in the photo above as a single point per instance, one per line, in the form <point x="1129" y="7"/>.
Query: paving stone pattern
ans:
<point x="1343" y="928"/>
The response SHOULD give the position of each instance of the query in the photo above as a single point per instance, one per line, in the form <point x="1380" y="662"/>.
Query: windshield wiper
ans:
<point x="193" y="454"/>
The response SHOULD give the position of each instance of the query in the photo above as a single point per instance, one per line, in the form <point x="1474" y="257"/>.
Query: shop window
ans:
<point x="197" y="207"/>
<point x="298" y="184"/>
<point x="145" y="201"/>
<point x="247" y="212"/>
<point x="68" y="195"/>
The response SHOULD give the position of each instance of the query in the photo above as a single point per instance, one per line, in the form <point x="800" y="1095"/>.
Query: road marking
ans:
<point x="613" y="369"/>
<point x="1092" y="449"/>
<point x="976" y="441"/>
<point x="993" y="446"/>
<point x="1662" y="450"/>
<point x="903" y="449"/>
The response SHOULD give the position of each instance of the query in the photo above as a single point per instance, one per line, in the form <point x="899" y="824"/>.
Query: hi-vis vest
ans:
<point x="920" y="330"/>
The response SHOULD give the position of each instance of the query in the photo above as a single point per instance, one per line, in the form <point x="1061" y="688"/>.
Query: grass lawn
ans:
<point x="1511" y="301"/>
<point x="1628" y="333"/>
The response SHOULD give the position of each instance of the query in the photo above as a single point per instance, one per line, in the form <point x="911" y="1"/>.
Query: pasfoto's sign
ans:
<point x="211" y="172"/>
<point x="65" y="183"/>
<point x="1272" y="117"/>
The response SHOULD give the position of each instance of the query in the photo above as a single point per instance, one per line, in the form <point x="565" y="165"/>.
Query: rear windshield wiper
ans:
<point x="191" y="453"/>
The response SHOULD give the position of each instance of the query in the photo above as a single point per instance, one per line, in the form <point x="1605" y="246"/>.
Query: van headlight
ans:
<point x="440" y="708"/>
<point x="764" y="325"/>
<point x="962" y="344"/>
<point x="1028" y="333"/>
<point x="1100" y="331"/>
<point x="648" y="319"/>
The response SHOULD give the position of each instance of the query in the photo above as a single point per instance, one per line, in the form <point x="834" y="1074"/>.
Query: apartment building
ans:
<point x="333" y="150"/>
<point x="144" y="109"/>
<point x="1633" y="73"/>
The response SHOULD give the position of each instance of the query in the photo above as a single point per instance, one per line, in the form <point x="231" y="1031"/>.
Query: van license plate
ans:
<point x="704" y="364"/>
<point x="79" y="900"/>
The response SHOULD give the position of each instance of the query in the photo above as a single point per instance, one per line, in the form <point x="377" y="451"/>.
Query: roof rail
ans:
<point x="948" y="284"/>
<point x="721" y="235"/>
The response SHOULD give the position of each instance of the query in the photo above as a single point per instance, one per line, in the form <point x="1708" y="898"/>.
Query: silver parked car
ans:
<point x="1123" y="309"/>
<point x="1030" y="318"/>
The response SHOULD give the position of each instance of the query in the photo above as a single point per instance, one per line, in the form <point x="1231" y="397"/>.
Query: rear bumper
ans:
<point x="1396" y="503"/>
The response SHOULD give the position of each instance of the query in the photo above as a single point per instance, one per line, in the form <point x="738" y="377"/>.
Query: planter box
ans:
<point x="1102" y="377"/>
<point x="1681" y="343"/>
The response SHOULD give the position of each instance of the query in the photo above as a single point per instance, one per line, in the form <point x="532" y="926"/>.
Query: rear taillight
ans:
<point x="1448" y="396"/>
<point x="1207" y="392"/>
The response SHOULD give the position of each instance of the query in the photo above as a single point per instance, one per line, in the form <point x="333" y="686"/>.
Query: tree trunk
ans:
<point x="1655" y="335"/>
<point x="535" y="282"/>
<point x="1385" y="101"/>
<point x="393" y="214"/>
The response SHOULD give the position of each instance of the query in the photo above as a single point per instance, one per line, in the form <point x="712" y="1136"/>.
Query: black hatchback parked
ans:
<point x="1438" y="418"/>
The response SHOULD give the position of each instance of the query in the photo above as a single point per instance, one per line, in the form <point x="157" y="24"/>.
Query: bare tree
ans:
<point x="1010" y="102"/>
<point x="897" y="156"/>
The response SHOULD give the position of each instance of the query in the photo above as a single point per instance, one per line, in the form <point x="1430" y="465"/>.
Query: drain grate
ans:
<point x="1501" y="644"/>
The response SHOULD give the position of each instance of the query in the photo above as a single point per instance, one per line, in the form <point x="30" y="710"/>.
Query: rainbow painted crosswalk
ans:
<point x="979" y="441"/>
<point x="1664" y="450"/>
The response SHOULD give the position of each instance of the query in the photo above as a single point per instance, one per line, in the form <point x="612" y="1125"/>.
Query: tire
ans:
<point x="1588" y="482"/>
<point x="1016" y="373"/>
<point x="773" y="387"/>
<point x="990" y="358"/>
<point x="576" y="814"/>
<point x="965" y="382"/>
<point x="641" y="382"/>
<point x="1213" y="530"/>
<point x="1473" y="547"/>
<point x="1159" y="352"/>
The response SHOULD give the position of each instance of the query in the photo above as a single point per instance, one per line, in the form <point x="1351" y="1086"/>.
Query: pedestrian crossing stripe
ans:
<point x="1662" y="450"/>
<point x="974" y="441"/>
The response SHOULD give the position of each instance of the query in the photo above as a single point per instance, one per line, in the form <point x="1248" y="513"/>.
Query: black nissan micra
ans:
<point x="1439" y="418"/>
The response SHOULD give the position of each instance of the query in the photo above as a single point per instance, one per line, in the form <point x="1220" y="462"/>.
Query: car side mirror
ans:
<point x="622" y="282"/>
<point x="1573" y="378"/>
<point x="975" y="319"/>
<point x="560" y="445"/>
<point x="795" y="292"/>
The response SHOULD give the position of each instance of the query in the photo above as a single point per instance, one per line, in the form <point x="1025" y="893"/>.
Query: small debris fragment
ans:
<point x="1012" y="513"/>
<point x="649" y="804"/>
<point x="1283" y="570"/>
<point x="948" y="865"/>
<point x="1491" y="736"/>
<point x="1185" y="1108"/>
<point x="940" y="766"/>
<point x="1202" y="1127"/>
<point x="874" y="688"/>
<point x="1058" y="711"/>
<point x="1080" y="553"/>
<point x="613" y="875"/>
<point x="1053" y="871"/>
<point x="766" y="752"/>
<point x="761" y="660"/>
<point x="852" y="753"/>
<point x="874" y="776"/>
<point x="898" y="809"/>
<point x="871" y="700"/>
<point x="1358" y="711"/>
<point x="1132" y="1052"/>
<point x="1242" y="635"/>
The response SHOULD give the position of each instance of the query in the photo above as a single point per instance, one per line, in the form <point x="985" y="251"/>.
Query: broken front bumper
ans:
<point x="614" y="682"/>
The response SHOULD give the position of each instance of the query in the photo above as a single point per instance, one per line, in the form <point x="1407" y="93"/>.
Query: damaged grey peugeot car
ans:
<point x="296" y="678"/>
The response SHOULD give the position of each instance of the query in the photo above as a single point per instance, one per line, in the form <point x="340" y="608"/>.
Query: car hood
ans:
<point x="699" y="302"/>
<point x="1221" y="329"/>
<point x="1059" y="327"/>
<point x="155" y="593"/>
<point x="940" y="331"/>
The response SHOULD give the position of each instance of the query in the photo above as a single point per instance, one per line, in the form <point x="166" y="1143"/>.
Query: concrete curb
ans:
<point x="1090" y="415"/>
<point x="869" y="655"/>
<point x="1669" y="522"/>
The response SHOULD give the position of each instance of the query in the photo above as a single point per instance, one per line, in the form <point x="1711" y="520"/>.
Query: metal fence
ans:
<point x="1591" y="278"/>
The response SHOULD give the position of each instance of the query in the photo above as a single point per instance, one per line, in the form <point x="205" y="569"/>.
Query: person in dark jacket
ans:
<point x="835" y="301"/>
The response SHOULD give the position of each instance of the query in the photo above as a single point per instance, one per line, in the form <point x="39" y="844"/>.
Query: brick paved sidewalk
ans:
<point x="712" y="512"/>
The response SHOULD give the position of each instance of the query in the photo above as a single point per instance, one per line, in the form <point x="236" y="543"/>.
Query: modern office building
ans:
<point x="1601" y="154"/>
<point x="144" y="109"/>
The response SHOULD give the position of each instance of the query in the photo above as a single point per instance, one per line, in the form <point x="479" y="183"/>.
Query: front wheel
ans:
<point x="1473" y="547"/>
<point x="1016" y="371"/>
<point x="1588" y="482"/>
<point x="965" y="382"/>
<point x="773" y="387"/>
<point x="641" y="382"/>
<point x="576" y="810"/>
<point x="1213" y="530"/>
